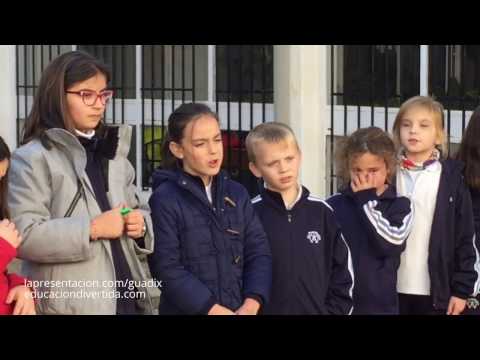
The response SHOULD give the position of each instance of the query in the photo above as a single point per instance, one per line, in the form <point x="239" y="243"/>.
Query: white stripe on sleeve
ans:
<point x="393" y="234"/>
<point x="350" y="270"/>
<point x="476" y="266"/>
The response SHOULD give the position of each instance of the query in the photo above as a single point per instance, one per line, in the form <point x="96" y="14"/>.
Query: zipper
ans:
<point x="213" y="209"/>
<point x="218" y="224"/>
<point x="291" y="265"/>
<point x="75" y="200"/>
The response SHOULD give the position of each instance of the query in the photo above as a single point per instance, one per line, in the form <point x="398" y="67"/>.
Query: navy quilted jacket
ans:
<point x="206" y="253"/>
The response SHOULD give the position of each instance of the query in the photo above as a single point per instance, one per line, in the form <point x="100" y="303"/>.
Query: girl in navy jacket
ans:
<point x="211" y="253"/>
<point x="439" y="269"/>
<point x="469" y="153"/>
<point x="374" y="221"/>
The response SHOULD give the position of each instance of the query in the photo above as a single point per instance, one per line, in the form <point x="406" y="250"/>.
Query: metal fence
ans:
<point x="244" y="97"/>
<point x="368" y="83"/>
<point x="150" y="81"/>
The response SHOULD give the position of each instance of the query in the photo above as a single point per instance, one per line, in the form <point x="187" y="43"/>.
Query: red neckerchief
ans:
<point x="410" y="165"/>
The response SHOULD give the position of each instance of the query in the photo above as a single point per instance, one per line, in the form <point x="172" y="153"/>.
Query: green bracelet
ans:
<point x="125" y="211"/>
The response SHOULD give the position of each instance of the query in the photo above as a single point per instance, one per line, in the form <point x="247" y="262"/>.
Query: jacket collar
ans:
<point x="195" y="186"/>
<point x="276" y="200"/>
<point x="85" y="135"/>
<point x="434" y="166"/>
<point x="116" y="141"/>
<point x="449" y="167"/>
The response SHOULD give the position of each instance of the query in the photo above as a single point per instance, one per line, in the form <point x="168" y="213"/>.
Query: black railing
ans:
<point x="378" y="78"/>
<point x="366" y="81"/>
<point x="30" y="62"/>
<point x="244" y="81"/>
<point x="168" y="79"/>
<point x="150" y="81"/>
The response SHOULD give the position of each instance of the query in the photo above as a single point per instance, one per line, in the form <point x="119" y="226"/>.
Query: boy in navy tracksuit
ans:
<point x="312" y="266"/>
<point x="374" y="221"/>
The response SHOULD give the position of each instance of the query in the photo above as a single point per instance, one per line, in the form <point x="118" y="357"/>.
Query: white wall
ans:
<point x="8" y="99"/>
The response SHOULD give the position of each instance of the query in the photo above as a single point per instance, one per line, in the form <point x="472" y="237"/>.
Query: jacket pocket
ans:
<point x="78" y="195"/>
<point x="51" y="296"/>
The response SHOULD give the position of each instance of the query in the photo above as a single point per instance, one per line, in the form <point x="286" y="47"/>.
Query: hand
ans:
<point x="23" y="298"/>
<point x="108" y="225"/>
<point x="220" y="310"/>
<point x="456" y="306"/>
<point x="249" y="307"/>
<point x="10" y="233"/>
<point x="363" y="182"/>
<point x="134" y="223"/>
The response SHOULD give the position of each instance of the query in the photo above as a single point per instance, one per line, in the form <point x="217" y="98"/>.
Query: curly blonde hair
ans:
<point x="367" y="140"/>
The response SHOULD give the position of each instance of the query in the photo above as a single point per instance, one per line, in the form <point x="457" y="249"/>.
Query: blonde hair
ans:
<point x="428" y="103"/>
<point x="271" y="132"/>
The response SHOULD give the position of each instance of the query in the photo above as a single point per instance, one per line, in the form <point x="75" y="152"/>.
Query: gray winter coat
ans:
<point x="74" y="275"/>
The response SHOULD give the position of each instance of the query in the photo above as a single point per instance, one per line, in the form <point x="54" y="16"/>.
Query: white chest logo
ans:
<point x="314" y="237"/>
<point x="472" y="303"/>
